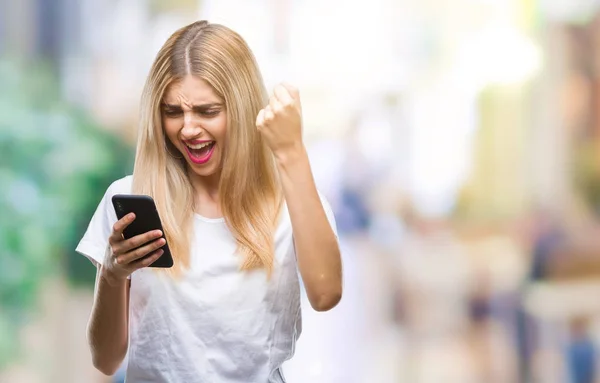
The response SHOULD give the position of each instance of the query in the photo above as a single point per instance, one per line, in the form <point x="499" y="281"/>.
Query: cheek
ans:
<point x="171" y="128"/>
<point x="221" y="127"/>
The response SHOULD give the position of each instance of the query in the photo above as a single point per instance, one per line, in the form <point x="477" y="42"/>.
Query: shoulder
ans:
<point x="120" y="186"/>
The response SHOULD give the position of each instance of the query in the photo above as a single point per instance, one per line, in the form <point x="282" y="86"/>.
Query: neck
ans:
<point x="205" y="186"/>
<point x="206" y="196"/>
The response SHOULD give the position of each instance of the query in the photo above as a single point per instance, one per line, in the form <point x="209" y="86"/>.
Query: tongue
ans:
<point x="201" y="152"/>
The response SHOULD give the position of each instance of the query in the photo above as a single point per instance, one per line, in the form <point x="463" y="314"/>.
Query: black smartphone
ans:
<point x="146" y="219"/>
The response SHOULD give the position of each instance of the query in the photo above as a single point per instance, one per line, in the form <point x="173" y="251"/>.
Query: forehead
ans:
<point x="190" y="90"/>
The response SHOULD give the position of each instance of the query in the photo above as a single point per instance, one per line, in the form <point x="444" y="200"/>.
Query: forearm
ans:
<point x="108" y="325"/>
<point x="317" y="249"/>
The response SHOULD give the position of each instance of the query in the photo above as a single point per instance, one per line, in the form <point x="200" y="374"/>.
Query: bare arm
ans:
<point x="107" y="331"/>
<point x="108" y="327"/>
<point x="317" y="249"/>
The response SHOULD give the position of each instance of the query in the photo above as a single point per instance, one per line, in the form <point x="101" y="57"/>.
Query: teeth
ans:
<point x="199" y="146"/>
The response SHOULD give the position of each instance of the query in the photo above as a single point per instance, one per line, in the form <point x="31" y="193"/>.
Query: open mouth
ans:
<point x="200" y="152"/>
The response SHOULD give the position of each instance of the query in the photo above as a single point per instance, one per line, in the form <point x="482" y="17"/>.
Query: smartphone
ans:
<point x="146" y="219"/>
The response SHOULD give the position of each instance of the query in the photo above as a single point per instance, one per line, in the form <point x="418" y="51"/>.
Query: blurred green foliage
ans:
<point x="55" y="165"/>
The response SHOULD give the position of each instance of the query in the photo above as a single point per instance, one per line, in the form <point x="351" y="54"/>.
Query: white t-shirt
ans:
<point x="216" y="323"/>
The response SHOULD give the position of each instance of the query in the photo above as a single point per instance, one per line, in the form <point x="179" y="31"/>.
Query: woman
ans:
<point x="230" y="176"/>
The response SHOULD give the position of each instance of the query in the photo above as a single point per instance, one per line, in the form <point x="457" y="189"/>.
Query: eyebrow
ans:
<point x="194" y="107"/>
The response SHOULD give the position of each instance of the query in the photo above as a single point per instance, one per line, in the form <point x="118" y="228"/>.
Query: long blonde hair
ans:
<point x="249" y="190"/>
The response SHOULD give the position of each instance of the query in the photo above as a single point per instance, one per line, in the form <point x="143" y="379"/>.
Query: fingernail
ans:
<point x="160" y="252"/>
<point x="158" y="233"/>
<point x="131" y="216"/>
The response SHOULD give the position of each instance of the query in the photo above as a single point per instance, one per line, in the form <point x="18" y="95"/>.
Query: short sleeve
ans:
<point x="94" y="242"/>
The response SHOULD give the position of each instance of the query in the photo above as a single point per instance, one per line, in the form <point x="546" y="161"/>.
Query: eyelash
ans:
<point x="177" y="113"/>
<point x="211" y="113"/>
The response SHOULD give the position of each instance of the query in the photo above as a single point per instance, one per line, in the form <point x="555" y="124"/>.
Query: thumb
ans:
<point x="260" y="119"/>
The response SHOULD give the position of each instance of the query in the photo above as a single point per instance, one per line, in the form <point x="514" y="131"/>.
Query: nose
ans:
<point x="191" y="127"/>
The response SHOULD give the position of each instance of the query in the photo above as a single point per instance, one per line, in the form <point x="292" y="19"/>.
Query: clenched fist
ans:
<point x="280" y="122"/>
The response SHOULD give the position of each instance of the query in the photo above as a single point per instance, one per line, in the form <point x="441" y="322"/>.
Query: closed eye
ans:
<point x="209" y="110"/>
<point x="172" y="112"/>
<point x="208" y="113"/>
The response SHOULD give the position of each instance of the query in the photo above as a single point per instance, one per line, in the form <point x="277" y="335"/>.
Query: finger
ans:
<point x="149" y="260"/>
<point x="140" y="252"/>
<point x="260" y="119"/>
<point x="275" y="104"/>
<point x="283" y="95"/>
<point x="140" y="240"/>
<point x="120" y="225"/>
<point x="269" y="115"/>
<point x="292" y="90"/>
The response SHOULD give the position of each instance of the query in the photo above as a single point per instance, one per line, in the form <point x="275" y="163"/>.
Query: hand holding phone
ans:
<point x="137" y="232"/>
<point x="124" y="256"/>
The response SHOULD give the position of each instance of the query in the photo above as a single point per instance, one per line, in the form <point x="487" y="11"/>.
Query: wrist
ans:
<point x="111" y="278"/>
<point x="290" y="155"/>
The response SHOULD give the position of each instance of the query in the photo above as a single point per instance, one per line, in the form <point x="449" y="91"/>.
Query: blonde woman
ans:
<point x="230" y="176"/>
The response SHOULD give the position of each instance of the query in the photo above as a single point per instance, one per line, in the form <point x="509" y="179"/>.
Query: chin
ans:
<point x="203" y="171"/>
<point x="208" y="169"/>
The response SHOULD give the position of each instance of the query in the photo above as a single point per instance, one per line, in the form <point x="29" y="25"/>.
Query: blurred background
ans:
<point x="457" y="142"/>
